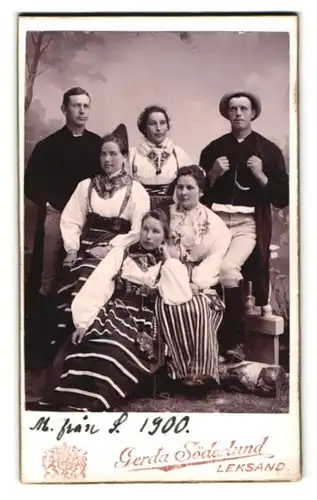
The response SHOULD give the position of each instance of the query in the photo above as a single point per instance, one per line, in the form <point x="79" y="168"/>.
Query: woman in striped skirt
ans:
<point x="199" y="239"/>
<point x="104" y="212"/>
<point x="115" y="345"/>
<point x="156" y="160"/>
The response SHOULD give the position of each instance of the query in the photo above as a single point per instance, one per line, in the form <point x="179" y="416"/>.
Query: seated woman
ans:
<point x="199" y="239"/>
<point x="115" y="344"/>
<point x="104" y="212"/>
<point x="156" y="161"/>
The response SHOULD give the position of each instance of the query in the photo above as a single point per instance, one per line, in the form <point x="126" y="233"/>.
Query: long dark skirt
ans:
<point x="161" y="196"/>
<point x="120" y="350"/>
<point x="190" y="333"/>
<point x="75" y="277"/>
<point x="162" y="202"/>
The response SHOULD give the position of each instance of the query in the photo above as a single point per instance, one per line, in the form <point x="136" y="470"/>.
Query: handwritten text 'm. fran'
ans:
<point x="44" y="425"/>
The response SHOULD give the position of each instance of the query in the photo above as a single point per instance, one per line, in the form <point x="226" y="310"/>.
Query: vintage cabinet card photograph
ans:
<point x="158" y="175"/>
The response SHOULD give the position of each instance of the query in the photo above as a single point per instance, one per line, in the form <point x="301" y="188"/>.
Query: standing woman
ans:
<point x="104" y="212"/>
<point x="156" y="161"/>
<point x="199" y="239"/>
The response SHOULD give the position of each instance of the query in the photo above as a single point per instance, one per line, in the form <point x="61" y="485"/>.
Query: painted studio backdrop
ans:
<point x="186" y="72"/>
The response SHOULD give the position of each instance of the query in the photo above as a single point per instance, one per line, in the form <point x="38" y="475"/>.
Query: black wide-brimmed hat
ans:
<point x="255" y="100"/>
<point x="121" y="132"/>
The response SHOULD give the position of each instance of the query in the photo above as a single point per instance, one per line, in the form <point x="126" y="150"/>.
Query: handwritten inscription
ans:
<point x="164" y="425"/>
<point x="151" y="426"/>
<point x="44" y="425"/>
<point x="118" y="422"/>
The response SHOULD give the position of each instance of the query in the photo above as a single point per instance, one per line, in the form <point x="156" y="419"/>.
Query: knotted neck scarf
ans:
<point x="157" y="154"/>
<point x="106" y="186"/>
<point x="144" y="258"/>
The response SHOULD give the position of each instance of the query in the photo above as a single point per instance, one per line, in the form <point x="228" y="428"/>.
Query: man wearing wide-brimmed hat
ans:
<point x="246" y="174"/>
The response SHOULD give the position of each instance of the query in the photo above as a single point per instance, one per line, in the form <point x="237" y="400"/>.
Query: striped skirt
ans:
<point x="112" y="359"/>
<point x="190" y="333"/>
<point x="75" y="277"/>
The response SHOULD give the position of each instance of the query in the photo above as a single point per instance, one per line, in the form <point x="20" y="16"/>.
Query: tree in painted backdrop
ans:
<point x="45" y="51"/>
<point x="57" y="53"/>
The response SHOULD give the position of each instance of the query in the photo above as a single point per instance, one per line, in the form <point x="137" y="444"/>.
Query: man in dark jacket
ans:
<point x="57" y="164"/>
<point x="245" y="175"/>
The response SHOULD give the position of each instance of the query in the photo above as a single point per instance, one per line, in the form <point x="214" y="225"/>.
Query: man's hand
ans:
<point x="78" y="335"/>
<point x="220" y="167"/>
<point x="70" y="258"/>
<point x="256" y="166"/>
